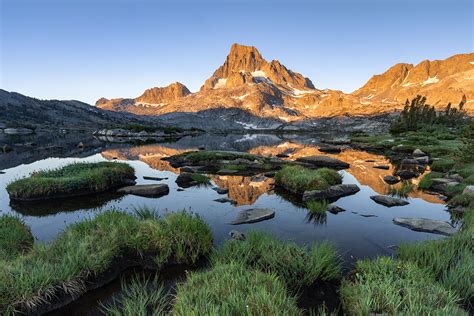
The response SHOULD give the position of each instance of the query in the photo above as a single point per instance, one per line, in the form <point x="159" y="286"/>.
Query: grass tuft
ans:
<point x="200" y="178"/>
<point x="317" y="206"/>
<point x="403" y="191"/>
<point x="443" y="165"/>
<point x="233" y="289"/>
<point x="388" y="286"/>
<point x="71" y="180"/>
<point x="298" y="179"/>
<point x="426" y="182"/>
<point x="15" y="237"/>
<point x="296" y="266"/>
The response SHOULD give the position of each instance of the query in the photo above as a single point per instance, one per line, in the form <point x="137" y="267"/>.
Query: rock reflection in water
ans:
<point x="244" y="190"/>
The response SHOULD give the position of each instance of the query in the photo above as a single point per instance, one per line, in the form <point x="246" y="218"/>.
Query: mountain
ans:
<point x="441" y="81"/>
<point x="248" y="82"/>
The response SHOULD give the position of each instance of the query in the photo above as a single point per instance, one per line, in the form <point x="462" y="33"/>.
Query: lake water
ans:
<point x="355" y="235"/>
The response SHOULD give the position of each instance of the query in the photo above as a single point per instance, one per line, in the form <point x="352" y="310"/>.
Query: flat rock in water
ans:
<point x="224" y="200"/>
<point x="391" y="179"/>
<point x="333" y="209"/>
<point x="227" y="172"/>
<point x="154" y="178"/>
<point x="383" y="167"/>
<point x="425" y="225"/>
<point x="388" y="201"/>
<point x="330" y="149"/>
<point x="332" y="193"/>
<point x="146" y="190"/>
<point x="324" y="161"/>
<point x="222" y="190"/>
<point x="253" y="215"/>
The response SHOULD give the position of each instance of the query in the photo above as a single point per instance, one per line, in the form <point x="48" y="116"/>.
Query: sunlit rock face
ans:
<point x="266" y="89"/>
<point x="244" y="190"/>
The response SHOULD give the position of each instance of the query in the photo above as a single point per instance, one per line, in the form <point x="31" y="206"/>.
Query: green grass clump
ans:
<point x="403" y="191"/>
<point x="200" y="178"/>
<point x="298" y="179"/>
<point x="389" y="286"/>
<point x="443" y="165"/>
<point x="233" y="289"/>
<point x="74" y="179"/>
<point x="426" y="182"/>
<point x="296" y="266"/>
<point x="317" y="206"/>
<point x="139" y="297"/>
<point x="15" y="237"/>
<point x="89" y="248"/>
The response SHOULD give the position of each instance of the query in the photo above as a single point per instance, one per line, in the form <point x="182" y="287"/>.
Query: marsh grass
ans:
<point x="298" y="179"/>
<point x="317" y="206"/>
<point x="74" y="179"/>
<point x="204" y="155"/>
<point x="390" y="286"/>
<point x="426" y="182"/>
<point x="296" y="266"/>
<point x="402" y="191"/>
<point x="233" y="289"/>
<point x="145" y="212"/>
<point x="443" y="165"/>
<point x="465" y="200"/>
<point x="15" y="237"/>
<point x="88" y="248"/>
<point x="140" y="296"/>
<point x="200" y="178"/>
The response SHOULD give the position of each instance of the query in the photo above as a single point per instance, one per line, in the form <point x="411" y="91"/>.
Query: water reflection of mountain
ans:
<point x="247" y="191"/>
<point x="244" y="190"/>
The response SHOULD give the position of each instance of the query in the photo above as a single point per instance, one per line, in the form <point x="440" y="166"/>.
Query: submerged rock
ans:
<point x="324" y="161"/>
<point x="235" y="234"/>
<point x="146" y="190"/>
<point x="337" y="141"/>
<point x="154" y="178"/>
<point x="224" y="200"/>
<point x="333" y="209"/>
<point x="425" y="225"/>
<point x="222" y="190"/>
<point x="383" y="167"/>
<point x="388" y="201"/>
<point x="332" y="193"/>
<point x="253" y="215"/>
<point x="391" y="179"/>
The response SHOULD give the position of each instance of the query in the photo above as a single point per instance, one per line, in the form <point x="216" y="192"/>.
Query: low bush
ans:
<point x="15" y="237"/>
<point x="389" y="286"/>
<point x="74" y="179"/>
<point x="296" y="266"/>
<point x="233" y="289"/>
<point x="298" y="179"/>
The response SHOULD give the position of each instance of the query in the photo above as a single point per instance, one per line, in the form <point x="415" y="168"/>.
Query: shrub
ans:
<point x="233" y="289"/>
<point x="388" y="286"/>
<point x="15" y="237"/>
<point x="74" y="179"/>
<point x="298" y="179"/>
<point x="295" y="265"/>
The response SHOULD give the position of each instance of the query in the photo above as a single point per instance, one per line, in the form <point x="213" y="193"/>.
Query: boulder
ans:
<point x="185" y="180"/>
<point x="391" y="179"/>
<point x="408" y="162"/>
<point x="383" y="167"/>
<point x="253" y="215"/>
<point x="146" y="190"/>
<point x="426" y="225"/>
<point x="332" y="193"/>
<point x="235" y="234"/>
<point x="388" y="201"/>
<point x="7" y="148"/>
<point x="406" y="174"/>
<point x="418" y="153"/>
<point x="468" y="190"/>
<point x="424" y="160"/>
<point x="324" y="161"/>
<point x="270" y="174"/>
<point x="333" y="209"/>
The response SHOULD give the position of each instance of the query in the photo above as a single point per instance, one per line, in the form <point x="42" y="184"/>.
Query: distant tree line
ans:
<point x="417" y="114"/>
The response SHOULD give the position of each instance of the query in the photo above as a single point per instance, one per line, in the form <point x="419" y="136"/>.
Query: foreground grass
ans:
<point x="402" y="191"/>
<point x="139" y="297"/>
<point x="296" y="266"/>
<point x="89" y="248"/>
<point x="234" y="289"/>
<point x="74" y="179"/>
<point x="15" y="237"/>
<point x="200" y="178"/>
<point x="388" y="286"/>
<point x="298" y="179"/>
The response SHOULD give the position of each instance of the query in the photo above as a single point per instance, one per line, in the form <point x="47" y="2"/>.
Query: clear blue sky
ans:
<point x="84" y="50"/>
